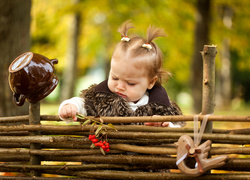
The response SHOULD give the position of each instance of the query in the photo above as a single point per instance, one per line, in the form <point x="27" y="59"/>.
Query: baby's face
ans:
<point x="128" y="81"/>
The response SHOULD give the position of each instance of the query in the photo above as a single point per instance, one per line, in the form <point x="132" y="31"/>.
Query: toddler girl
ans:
<point x="133" y="87"/>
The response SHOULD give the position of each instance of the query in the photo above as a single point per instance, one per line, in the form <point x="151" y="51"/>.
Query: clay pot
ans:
<point x="31" y="77"/>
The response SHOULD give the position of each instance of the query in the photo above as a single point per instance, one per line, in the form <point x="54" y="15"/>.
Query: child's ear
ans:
<point x="152" y="82"/>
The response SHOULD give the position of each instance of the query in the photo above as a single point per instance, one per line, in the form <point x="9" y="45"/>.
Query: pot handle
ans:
<point x="19" y="99"/>
<point x="54" y="61"/>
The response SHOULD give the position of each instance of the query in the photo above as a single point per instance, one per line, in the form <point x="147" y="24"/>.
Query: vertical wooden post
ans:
<point x="34" y="118"/>
<point x="208" y="91"/>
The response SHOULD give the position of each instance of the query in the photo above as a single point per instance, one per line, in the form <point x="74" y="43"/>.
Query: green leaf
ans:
<point x="98" y="130"/>
<point x="80" y="116"/>
<point x="86" y="122"/>
<point x="112" y="126"/>
<point x="104" y="132"/>
<point x="103" y="152"/>
<point x="92" y="145"/>
<point x="92" y="127"/>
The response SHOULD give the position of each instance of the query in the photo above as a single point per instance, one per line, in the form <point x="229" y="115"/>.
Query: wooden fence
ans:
<point x="65" y="149"/>
<point x="34" y="149"/>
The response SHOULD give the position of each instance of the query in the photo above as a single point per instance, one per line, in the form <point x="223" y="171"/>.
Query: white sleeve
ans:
<point x="78" y="102"/>
<point x="174" y="125"/>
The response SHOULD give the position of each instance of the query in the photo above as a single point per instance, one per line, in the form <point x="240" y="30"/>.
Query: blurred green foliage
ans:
<point x="51" y="21"/>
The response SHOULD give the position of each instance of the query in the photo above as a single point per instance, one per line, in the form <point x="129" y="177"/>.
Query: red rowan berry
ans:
<point x="91" y="137"/>
<point x="94" y="140"/>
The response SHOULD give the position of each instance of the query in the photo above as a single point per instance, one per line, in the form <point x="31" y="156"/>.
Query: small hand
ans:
<point x="164" y="124"/>
<point x="69" y="111"/>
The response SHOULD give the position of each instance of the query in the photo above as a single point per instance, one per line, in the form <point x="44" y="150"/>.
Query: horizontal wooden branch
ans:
<point x="161" y="135"/>
<point x="25" y="177"/>
<point x="14" y="158"/>
<point x="80" y="128"/>
<point x="83" y="167"/>
<point x="105" y="174"/>
<point x="222" y="138"/>
<point x="43" y="139"/>
<point x="113" y="174"/>
<point x="173" y="151"/>
<point x="14" y="119"/>
<point x="228" y="150"/>
<point x="160" y="162"/>
<point x="121" y="148"/>
<point x="54" y="152"/>
<point x="118" y="120"/>
<point x="143" y="149"/>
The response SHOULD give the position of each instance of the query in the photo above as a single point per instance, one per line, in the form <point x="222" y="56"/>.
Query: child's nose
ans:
<point x="120" y="85"/>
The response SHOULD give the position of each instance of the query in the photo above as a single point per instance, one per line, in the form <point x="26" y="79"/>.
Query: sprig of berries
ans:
<point x="102" y="144"/>
<point x="100" y="132"/>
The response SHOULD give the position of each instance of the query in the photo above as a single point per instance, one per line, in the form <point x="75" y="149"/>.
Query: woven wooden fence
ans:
<point x="34" y="149"/>
<point x="135" y="150"/>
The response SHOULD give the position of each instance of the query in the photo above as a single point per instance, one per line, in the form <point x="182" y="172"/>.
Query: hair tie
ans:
<point x="125" y="38"/>
<point x="147" y="46"/>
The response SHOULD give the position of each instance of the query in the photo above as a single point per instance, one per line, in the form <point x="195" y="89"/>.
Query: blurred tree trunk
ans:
<point x="15" y="40"/>
<point x="70" y="72"/>
<point x="224" y="81"/>
<point x="201" y="38"/>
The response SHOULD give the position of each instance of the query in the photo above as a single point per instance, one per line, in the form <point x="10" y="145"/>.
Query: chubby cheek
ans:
<point x="134" y="95"/>
<point x="111" y="85"/>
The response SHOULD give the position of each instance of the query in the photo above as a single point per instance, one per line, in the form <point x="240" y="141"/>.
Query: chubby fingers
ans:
<point x="164" y="124"/>
<point x="149" y="123"/>
<point x="153" y="123"/>
<point x="69" y="111"/>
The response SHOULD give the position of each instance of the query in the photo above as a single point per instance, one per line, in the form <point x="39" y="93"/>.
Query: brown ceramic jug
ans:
<point x="31" y="77"/>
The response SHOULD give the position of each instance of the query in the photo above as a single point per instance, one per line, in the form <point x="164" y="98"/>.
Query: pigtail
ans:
<point x="153" y="33"/>
<point x="123" y="29"/>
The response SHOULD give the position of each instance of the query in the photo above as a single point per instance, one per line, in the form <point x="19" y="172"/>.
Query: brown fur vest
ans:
<point x="100" y="101"/>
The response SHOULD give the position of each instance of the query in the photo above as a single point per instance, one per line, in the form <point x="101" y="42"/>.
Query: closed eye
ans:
<point x="115" y="78"/>
<point x="131" y="84"/>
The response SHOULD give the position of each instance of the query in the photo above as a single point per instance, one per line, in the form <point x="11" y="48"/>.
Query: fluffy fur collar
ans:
<point x="100" y="101"/>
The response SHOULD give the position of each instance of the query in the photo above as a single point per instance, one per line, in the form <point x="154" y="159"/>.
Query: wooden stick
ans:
<point x="213" y="137"/>
<point x="14" y="158"/>
<point x="77" y="128"/>
<point x="208" y="89"/>
<point x="14" y="119"/>
<point x="123" y="147"/>
<point x="50" y="118"/>
<point x="105" y="174"/>
<point x="34" y="119"/>
<point x="229" y="138"/>
<point x="238" y="150"/>
<point x="145" y="160"/>
<point x="118" y="120"/>
<point x="54" y="152"/>
<point x="117" y="159"/>
<point x="84" y="167"/>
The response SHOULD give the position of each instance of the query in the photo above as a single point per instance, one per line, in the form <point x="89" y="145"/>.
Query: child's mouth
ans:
<point x="122" y="95"/>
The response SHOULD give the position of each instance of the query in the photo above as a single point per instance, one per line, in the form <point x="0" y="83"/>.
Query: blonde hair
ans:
<point x="143" y="52"/>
